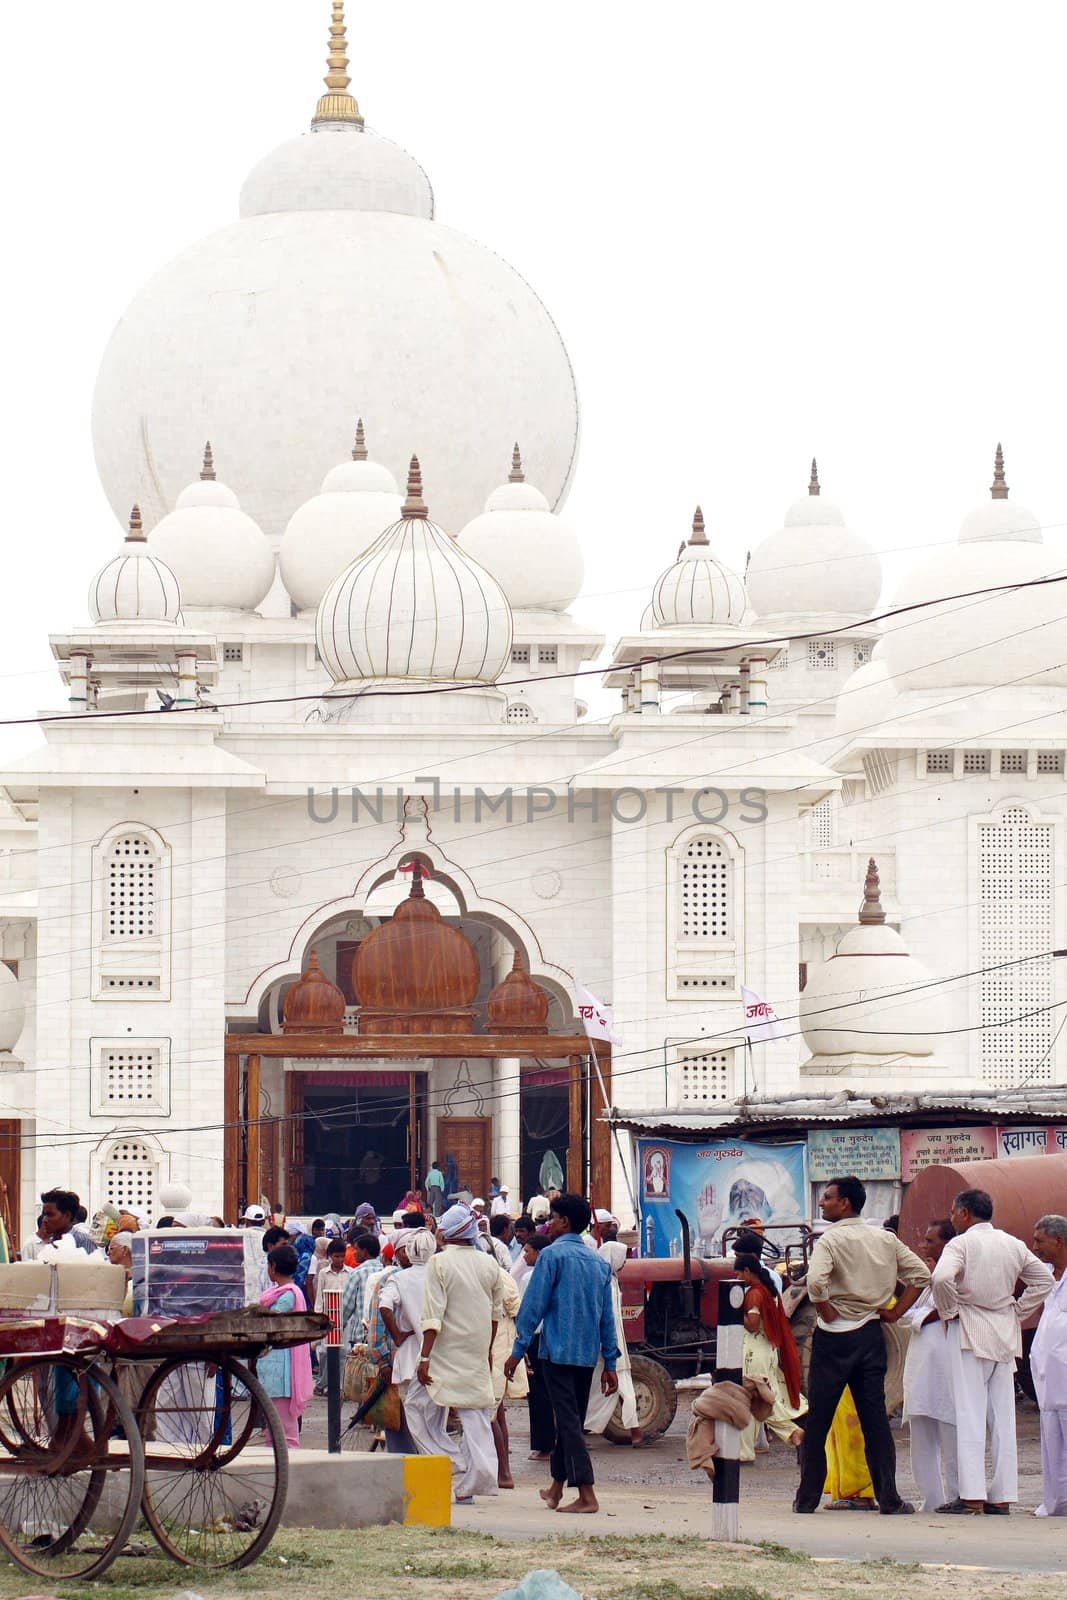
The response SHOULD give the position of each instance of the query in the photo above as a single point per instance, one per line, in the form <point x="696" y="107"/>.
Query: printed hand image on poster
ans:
<point x="718" y="1186"/>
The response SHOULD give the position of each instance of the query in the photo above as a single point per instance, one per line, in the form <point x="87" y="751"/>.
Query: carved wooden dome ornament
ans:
<point x="517" y="1004"/>
<point x="313" y="1004"/>
<point x="415" y="974"/>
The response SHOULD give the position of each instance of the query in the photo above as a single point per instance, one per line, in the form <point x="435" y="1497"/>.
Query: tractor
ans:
<point x="670" y="1309"/>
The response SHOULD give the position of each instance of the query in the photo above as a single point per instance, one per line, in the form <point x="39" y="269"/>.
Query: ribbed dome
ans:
<point x="12" y="1008"/>
<point x="699" y="589"/>
<point x="814" y="565"/>
<point x="340" y="165"/>
<point x="359" y="500"/>
<point x="313" y="1004"/>
<point x="850" y="1003"/>
<point x="135" y="586"/>
<point x="414" y="969"/>
<point x="220" y="557"/>
<point x="534" y="556"/>
<point x="517" y="1004"/>
<point x="1017" y="636"/>
<point x="415" y="606"/>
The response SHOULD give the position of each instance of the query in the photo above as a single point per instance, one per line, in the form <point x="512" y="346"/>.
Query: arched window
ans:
<point x="705" y="909"/>
<point x="519" y="711"/>
<point x="130" y="1177"/>
<point x="1016" y="919"/>
<point x="132" y="888"/>
<point x="705" y="915"/>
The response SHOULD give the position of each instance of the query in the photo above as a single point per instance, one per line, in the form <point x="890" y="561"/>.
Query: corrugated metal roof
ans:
<point x="790" y="1112"/>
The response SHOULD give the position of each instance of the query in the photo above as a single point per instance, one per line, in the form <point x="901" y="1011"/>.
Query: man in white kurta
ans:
<point x="462" y="1306"/>
<point x="928" y="1405"/>
<point x="1048" y="1367"/>
<point x="974" y="1291"/>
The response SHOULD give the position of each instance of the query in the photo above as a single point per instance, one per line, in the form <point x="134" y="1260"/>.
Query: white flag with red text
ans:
<point x="761" y="1022"/>
<point x="598" y="1020"/>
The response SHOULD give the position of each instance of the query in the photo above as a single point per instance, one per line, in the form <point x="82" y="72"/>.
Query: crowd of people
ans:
<point x="462" y="1307"/>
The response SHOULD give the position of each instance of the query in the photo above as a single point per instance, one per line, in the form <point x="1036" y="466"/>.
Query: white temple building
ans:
<point x="315" y="663"/>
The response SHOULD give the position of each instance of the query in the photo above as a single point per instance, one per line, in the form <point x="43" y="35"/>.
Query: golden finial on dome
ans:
<point x="207" y="471"/>
<point x="136" y="533"/>
<point x="998" y="488"/>
<point x="516" y="475"/>
<point x="359" y="449"/>
<point x="414" y="505"/>
<point x="337" y="105"/>
<point x="698" y="535"/>
<point x="813" y="482"/>
<point x="871" y="913"/>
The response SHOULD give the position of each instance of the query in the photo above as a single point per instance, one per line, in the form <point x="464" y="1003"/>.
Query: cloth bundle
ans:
<point x="737" y="1404"/>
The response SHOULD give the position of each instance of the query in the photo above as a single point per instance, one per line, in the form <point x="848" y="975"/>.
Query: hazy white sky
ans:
<point x="764" y="231"/>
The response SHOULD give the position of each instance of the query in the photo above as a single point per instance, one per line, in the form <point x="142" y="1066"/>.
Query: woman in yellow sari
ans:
<point x="848" y="1478"/>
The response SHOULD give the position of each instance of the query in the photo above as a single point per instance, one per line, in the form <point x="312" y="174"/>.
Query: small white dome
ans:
<point x="359" y="500"/>
<point x="997" y="518"/>
<point x="533" y="555"/>
<point x="814" y="565"/>
<point x="12" y="1009"/>
<point x="868" y="998"/>
<point x="699" y="589"/>
<point x="867" y="698"/>
<point x="338" y="169"/>
<point x="220" y="557"/>
<point x="415" y="606"/>
<point x="135" y="586"/>
<point x="1017" y="636"/>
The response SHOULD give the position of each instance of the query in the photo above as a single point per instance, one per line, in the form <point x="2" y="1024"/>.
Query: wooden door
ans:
<point x="466" y="1143"/>
<point x="11" y="1178"/>
<point x="294" y="1142"/>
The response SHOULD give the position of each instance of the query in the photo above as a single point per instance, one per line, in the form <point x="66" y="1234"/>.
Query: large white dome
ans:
<point x="414" y="607"/>
<point x="1017" y="636"/>
<point x="867" y="698"/>
<point x="220" y="557"/>
<point x="698" y="589"/>
<point x="359" y="500"/>
<point x="814" y="565"/>
<point x="335" y="295"/>
<point x="533" y="555"/>
<point x="135" y="586"/>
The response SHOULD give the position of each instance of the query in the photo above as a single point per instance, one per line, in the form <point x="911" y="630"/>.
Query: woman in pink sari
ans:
<point x="286" y="1374"/>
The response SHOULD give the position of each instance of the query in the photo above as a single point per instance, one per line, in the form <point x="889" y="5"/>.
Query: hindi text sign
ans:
<point x="943" y="1147"/>
<point x="872" y="1154"/>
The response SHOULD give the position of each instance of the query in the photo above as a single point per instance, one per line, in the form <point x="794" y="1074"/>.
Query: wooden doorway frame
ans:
<point x="244" y="1053"/>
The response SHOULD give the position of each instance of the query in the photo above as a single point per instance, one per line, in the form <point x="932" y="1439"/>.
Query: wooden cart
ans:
<point x="100" y="1424"/>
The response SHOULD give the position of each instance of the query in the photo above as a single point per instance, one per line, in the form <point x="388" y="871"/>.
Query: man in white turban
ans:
<point x="462" y="1306"/>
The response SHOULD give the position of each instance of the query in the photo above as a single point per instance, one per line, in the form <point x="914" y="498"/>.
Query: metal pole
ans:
<point x="331" y="1301"/>
<point x="729" y="1368"/>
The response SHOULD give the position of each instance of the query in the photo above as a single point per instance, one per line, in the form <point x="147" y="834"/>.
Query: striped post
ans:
<point x="729" y="1368"/>
<point x="331" y="1304"/>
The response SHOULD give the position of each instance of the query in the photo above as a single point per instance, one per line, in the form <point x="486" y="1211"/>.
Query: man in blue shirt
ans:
<point x="568" y="1295"/>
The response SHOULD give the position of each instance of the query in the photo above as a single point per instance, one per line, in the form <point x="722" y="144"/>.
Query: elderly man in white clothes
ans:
<point x="1048" y="1366"/>
<point x="929" y="1409"/>
<point x="974" y="1291"/>
<point x="462" y="1306"/>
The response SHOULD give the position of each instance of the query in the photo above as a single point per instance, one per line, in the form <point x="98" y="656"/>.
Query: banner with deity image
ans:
<point x="718" y="1185"/>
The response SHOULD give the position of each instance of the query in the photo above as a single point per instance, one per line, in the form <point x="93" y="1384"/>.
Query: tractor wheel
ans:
<point x="802" y="1323"/>
<point x="657" y="1401"/>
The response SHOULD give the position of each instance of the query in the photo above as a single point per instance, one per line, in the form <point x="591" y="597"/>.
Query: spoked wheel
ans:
<point x="217" y="1467"/>
<point x="71" y="1468"/>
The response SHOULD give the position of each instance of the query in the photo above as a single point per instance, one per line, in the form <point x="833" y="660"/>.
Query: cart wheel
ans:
<point x="71" y="1468"/>
<point x="214" y="1486"/>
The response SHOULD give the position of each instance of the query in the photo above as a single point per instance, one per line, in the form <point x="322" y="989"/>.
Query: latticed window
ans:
<point x="821" y="825"/>
<point x="131" y="1077"/>
<point x="705" y="891"/>
<point x="781" y="661"/>
<point x="822" y="655"/>
<point x="1015" y="911"/>
<point x="520" y="655"/>
<point x="548" y="655"/>
<point x="861" y="654"/>
<point x="132" y="885"/>
<point x="130" y="1177"/>
<point x="976" y="761"/>
<point x="939" y="761"/>
<point x="518" y="711"/>
<point x="1013" y="761"/>
<point x="1049" y="761"/>
<point x="706" y="1079"/>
